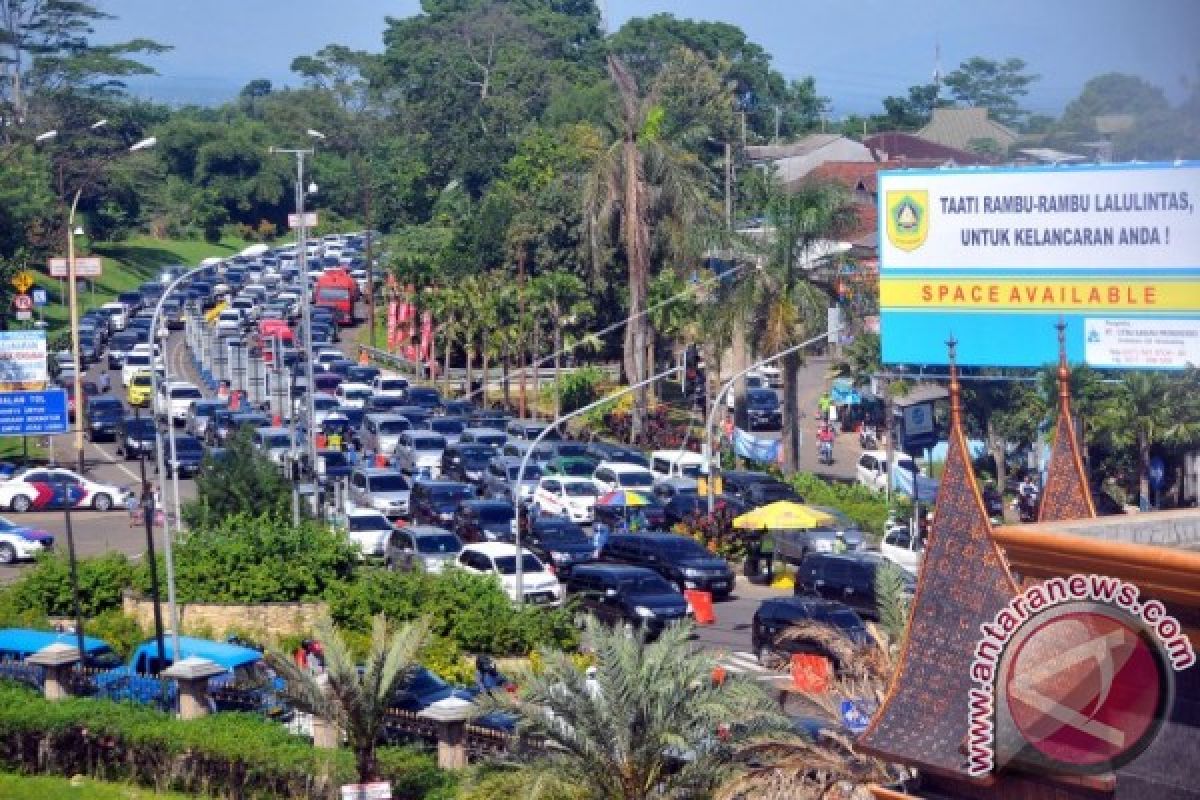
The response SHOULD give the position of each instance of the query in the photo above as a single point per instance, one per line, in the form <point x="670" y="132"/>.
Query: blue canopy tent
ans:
<point x="843" y="393"/>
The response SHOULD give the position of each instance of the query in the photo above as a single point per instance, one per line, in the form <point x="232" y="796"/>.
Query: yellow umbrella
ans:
<point x="782" y="515"/>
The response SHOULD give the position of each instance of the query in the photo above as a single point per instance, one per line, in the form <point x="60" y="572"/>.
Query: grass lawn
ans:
<point x="24" y="787"/>
<point x="127" y="265"/>
<point x="11" y="449"/>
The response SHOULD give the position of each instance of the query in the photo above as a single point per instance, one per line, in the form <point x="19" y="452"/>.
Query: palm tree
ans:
<point x="670" y="319"/>
<point x="562" y="298"/>
<point x="654" y="707"/>
<point x="791" y="307"/>
<point x="355" y="700"/>
<point x="860" y="360"/>
<point x="642" y="180"/>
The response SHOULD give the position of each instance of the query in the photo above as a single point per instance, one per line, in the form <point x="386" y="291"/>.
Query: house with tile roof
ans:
<point x="912" y="150"/>
<point x="793" y="162"/>
<point x="960" y="128"/>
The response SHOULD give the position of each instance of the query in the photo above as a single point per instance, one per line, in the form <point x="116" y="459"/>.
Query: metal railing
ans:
<point x="495" y="375"/>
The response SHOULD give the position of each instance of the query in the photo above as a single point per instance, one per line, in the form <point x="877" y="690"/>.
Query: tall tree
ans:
<point x="562" y="300"/>
<point x="911" y="111"/>
<point x="997" y="86"/>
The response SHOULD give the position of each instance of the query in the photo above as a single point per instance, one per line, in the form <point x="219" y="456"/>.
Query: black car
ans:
<point x="687" y="505"/>
<point x="457" y="408"/>
<point x="466" y="462"/>
<point x="778" y="614"/>
<point x="847" y="578"/>
<point x="633" y="598"/>
<point x="488" y="418"/>
<point x="435" y="502"/>
<point x="383" y="404"/>
<point x="118" y="346"/>
<point x="188" y="455"/>
<point x="559" y="543"/>
<point x="104" y="415"/>
<point x="607" y="451"/>
<point x="757" y="488"/>
<point x="680" y="559"/>
<point x="243" y="419"/>
<point x="763" y="411"/>
<point x="424" y="396"/>
<point x="136" y="437"/>
<point x="484" y="521"/>
<point x="360" y="374"/>
<point x="332" y="465"/>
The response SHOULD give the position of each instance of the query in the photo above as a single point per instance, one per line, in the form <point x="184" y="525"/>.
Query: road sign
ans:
<point x="33" y="413"/>
<point x="22" y="360"/>
<point x="85" y="267"/>
<point x="39" y="297"/>
<point x="22" y="281"/>
<point x="310" y="220"/>
<point x="1158" y="473"/>
<point x="23" y="305"/>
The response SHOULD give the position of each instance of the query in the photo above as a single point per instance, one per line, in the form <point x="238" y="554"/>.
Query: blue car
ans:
<point x="422" y="688"/>
<point x="17" y="644"/>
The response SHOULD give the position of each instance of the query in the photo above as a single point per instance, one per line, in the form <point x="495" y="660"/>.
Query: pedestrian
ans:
<point x="351" y="454"/>
<point x="131" y="505"/>
<point x="599" y="538"/>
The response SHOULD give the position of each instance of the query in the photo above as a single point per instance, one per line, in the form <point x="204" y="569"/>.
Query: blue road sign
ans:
<point x="33" y="413"/>
<point x="1158" y="473"/>
<point x="39" y="297"/>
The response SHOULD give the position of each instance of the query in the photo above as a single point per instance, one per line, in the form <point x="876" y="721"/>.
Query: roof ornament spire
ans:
<point x="1066" y="493"/>
<point x="955" y="386"/>
<point x="1064" y="370"/>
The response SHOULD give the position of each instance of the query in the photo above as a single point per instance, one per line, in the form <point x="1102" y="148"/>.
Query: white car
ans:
<point x="19" y="543"/>
<point x="174" y="400"/>
<point x="352" y="395"/>
<point x="538" y="584"/>
<point x="118" y="315"/>
<point x="369" y="529"/>
<point x="871" y="470"/>
<point x="133" y="364"/>
<point x="613" y="475"/>
<point x="902" y="549"/>
<point x="389" y="386"/>
<point x="40" y="489"/>
<point x="564" y="496"/>
<point x="420" y="453"/>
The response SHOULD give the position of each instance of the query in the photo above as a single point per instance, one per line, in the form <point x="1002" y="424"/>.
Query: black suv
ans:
<point x="136" y="437"/>
<point x="607" y="451"/>
<point x="763" y="411"/>
<point x="846" y="577"/>
<point x="104" y="415"/>
<point x="778" y="614"/>
<point x="485" y="521"/>
<point x="559" y="543"/>
<point x="435" y="502"/>
<point x="679" y="559"/>
<point x="630" y="597"/>
<point x="757" y="488"/>
<point x="467" y="461"/>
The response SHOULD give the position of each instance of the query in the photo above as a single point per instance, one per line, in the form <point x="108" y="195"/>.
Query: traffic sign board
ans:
<point x="310" y="220"/>
<point x="22" y="281"/>
<point x="85" y="267"/>
<point x="39" y="297"/>
<point x="33" y="413"/>
<point x="22" y="302"/>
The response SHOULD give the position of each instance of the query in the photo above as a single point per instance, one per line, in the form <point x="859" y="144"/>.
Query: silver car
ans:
<point x="502" y="473"/>
<point x="422" y="547"/>
<point x="450" y="428"/>
<point x="381" y="432"/>
<point x="384" y="490"/>
<point x="420" y="453"/>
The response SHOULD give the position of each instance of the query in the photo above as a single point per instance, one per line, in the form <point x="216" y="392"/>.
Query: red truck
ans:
<point x="270" y="330"/>
<point x="336" y="290"/>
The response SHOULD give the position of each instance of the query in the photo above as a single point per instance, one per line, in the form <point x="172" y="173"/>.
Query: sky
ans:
<point x="858" y="50"/>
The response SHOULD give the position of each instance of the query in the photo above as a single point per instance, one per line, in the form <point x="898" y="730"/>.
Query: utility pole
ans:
<point x="148" y="511"/>
<point x="775" y="140"/>
<point x="729" y="186"/>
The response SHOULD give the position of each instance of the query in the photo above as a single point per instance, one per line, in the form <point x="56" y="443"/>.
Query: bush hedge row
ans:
<point x="227" y="755"/>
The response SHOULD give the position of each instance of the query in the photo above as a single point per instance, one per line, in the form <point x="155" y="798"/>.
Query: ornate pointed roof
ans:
<point x="1066" y="494"/>
<point x="964" y="582"/>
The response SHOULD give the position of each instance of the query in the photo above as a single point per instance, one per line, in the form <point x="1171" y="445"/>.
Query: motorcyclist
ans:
<point x="825" y="443"/>
<point x="487" y="675"/>
<point x="1027" y="498"/>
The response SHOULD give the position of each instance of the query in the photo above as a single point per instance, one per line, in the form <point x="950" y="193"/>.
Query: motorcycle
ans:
<point x="1026" y="506"/>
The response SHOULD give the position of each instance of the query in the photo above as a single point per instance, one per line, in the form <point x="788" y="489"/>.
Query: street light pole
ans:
<point x="516" y="486"/>
<point x="714" y="467"/>
<point x="73" y="312"/>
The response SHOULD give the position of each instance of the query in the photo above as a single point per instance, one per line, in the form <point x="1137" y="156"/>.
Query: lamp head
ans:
<point x="312" y="188"/>
<point x="144" y="144"/>
<point x="78" y="230"/>
<point x="45" y="137"/>
<point x="98" y="124"/>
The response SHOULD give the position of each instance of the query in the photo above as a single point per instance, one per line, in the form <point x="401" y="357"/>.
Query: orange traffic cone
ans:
<point x="381" y="460"/>
<point x="276" y="421"/>
<point x="702" y="606"/>
<point x="811" y="672"/>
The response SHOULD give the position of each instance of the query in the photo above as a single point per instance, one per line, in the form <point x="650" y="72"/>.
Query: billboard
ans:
<point x="995" y="257"/>
<point x="22" y="360"/>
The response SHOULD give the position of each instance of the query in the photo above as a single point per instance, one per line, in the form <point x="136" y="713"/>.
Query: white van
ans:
<point x="676" y="464"/>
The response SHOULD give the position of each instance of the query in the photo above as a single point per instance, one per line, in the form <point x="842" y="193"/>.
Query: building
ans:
<point x="903" y="149"/>
<point x="967" y="129"/>
<point x="793" y="162"/>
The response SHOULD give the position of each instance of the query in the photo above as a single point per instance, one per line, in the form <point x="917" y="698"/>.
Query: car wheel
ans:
<point x="8" y="554"/>
<point x="102" y="502"/>
<point x="20" y="503"/>
<point x="768" y="658"/>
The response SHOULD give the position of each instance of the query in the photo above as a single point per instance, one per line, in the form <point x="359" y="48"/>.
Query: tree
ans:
<point x="652" y="700"/>
<point x="241" y="481"/>
<point x="997" y="86"/>
<point x="861" y="360"/>
<point x="1110" y="93"/>
<point x="913" y="111"/>
<point x="563" y="299"/>
<point x="355" y="700"/>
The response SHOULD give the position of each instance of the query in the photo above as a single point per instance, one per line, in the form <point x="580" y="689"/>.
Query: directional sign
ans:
<point x="33" y="413"/>
<point x="39" y="297"/>
<point x="85" y="267"/>
<point x="310" y="220"/>
<point x="22" y="281"/>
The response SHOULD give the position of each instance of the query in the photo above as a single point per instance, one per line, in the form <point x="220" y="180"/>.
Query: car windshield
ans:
<point x="188" y="445"/>
<point x="571" y="449"/>
<point x="186" y="392"/>
<point x="532" y="472"/>
<point x="480" y="453"/>
<point x="580" y="490"/>
<point x="393" y="386"/>
<point x="369" y="522"/>
<point x="451" y="494"/>
<point x="330" y="293"/>
<point x="446" y="425"/>
<point x="577" y="469"/>
<point x="137" y="360"/>
<point x="429" y="444"/>
<point x="441" y="543"/>
<point x="762" y="398"/>
<point x="507" y="565"/>
<point x="495" y="514"/>
<point x="638" y="479"/>
<point x="388" y="483"/>
<point x="333" y="459"/>
<point x="423" y="395"/>
<point x="139" y="425"/>
<point x="278" y="440"/>
<point x="646" y="584"/>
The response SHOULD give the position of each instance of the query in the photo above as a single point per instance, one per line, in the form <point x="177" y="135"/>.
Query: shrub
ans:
<point x="242" y="481"/>
<point x="577" y="389"/>
<point x="867" y="508"/>
<point x="120" y="631"/>
<point x="45" y="590"/>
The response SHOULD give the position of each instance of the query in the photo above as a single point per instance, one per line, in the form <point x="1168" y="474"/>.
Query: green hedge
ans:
<point x="867" y="508"/>
<point x="227" y="755"/>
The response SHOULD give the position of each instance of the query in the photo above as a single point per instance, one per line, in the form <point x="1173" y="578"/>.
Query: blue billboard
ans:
<point x="33" y="413"/>
<point x="996" y="257"/>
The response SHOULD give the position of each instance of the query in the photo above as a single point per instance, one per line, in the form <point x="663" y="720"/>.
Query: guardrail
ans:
<point x="457" y="376"/>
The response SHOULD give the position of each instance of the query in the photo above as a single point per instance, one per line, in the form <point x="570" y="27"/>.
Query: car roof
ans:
<point x="487" y="503"/>
<point x="29" y="641"/>
<point x="426" y="530"/>
<point x="859" y="557"/>
<point x="222" y="653"/>
<point x="363" y="512"/>
<point x="440" y="482"/>
<point x="621" y="466"/>
<point x="494" y="549"/>
<point x="375" y="472"/>
<point x="618" y="570"/>
<point x="387" y="417"/>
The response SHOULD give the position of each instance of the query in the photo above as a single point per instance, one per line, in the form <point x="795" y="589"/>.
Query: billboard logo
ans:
<point x="908" y="218"/>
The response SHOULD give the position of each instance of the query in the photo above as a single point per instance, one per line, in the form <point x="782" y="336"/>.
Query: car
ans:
<point x="485" y="521"/>
<point x="136" y="437"/>
<point x="458" y="408"/>
<point x="871" y="469"/>
<point x="763" y="411"/>
<point x="529" y="429"/>
<point x="382" y="489"/>
<point x="776" y="615"/>
<point x="426" y="548"/>
<point x="141" y="389"/>
<point x="22" y="543"/>
<point x="607" y="451"/>
<point x="571" y="466"/>
<point x="244" y="419"/>
<point x="489" y="418"/>
<point x="175" y="399"/>
<point x="846" y="577"/>
<point x="492" y="437"/>
<point x="40" y="488"/>
<point x="539" y="587"/>
<point x="450" y="428"/>
<point x="243" y="666"/>
<point x="756" y="489"/>
<point x="502" y="475"/>
<point x="200" y="414"/>
<point x="389" y="386"/>
<point x="419" y="453"/>
<point x="903" y="549"/>
<point x="353" y="395"/>
<point x="370" y="530"/>
<point x="18" y="644"/>
<point x="361" y="374"/>
<point x="383" y="404"/>
<point x="118" y="347"/>
<point x="559" y="543"/>
<point x="610" y="476"/>
<point x="649" y="517"/>
<point x="381" y="432"/>
<point x="466" y="462"/>
<point x="184" y="455"/>
<point x="417" y="415"/>
<point x="277" y="444"/>
<point x="103" y="415"/>
<point x="434" y="502"/>
<point x="425" y="397"/>
<point x="754" y="380"/>
<point x="627" y="597"/>
<point x="574" y="498"/>
<point x="676" y="464"/>
<point x="539" y="454"/>
<point x="117" y="313"/>
<point x="680" y="559"/>
<point x="332" y="465"/>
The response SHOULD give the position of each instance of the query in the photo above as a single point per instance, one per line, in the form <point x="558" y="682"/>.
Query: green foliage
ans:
<point x="45" y="590"/>
<point x="471" y="610"/>
<point x="21" y="787"/>
<point x="242" y="481"/>
<point x="997" y="86"/>
<point x="577" y="389"/>
<point x="891" y="601"/>
<point x="866" y="508"/>
<point x="120" y="631"/>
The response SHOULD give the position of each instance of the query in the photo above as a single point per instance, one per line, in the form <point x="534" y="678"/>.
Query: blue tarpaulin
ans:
<point x="766" y="451"/>
<point x="902" y="481"/>
<point x="843" y="393"/>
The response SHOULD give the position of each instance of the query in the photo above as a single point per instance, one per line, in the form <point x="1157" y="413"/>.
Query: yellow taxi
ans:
<point x="141" y="385"/>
